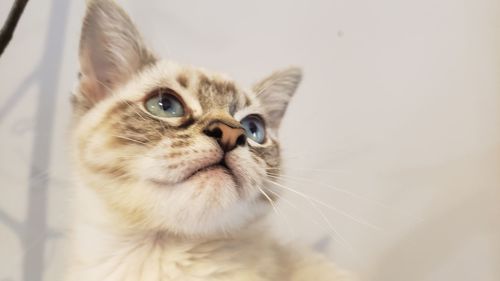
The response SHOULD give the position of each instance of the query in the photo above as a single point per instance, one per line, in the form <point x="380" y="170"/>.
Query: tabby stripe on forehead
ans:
<point x="221" y="87"/>
<point x="215" y="94"/>
<point x="182" y="79"/>
<point x="247" y="101"/>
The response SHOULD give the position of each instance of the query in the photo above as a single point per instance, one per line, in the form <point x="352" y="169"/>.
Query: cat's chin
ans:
<point x="208" y="202"/>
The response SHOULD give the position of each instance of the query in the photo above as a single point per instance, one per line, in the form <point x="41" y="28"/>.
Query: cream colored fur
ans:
<point x="107" y="251"/>
<point x="144" y="210"/>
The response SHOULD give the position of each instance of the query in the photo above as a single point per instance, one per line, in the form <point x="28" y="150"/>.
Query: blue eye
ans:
<point x="254" y="128"/>
<point x="165" y="104"/>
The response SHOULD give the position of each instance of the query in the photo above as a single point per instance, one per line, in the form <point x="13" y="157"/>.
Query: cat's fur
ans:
<point x="143" y="212"/>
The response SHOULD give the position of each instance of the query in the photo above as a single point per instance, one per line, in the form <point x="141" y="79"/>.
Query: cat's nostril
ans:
<point x="241" y="140"/>
<point x="213" y="132"/>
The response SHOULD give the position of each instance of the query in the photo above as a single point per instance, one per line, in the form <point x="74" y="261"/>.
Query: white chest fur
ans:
<point x="158" y="257"/>
<point x="103" y="251"/>
<point x="101" y="257"/>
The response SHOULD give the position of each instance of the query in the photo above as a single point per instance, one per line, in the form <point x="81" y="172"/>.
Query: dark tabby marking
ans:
<point x="135" y="124"/>
<point x="182" y="136"/>
<point x="180" y="144"/>
<point x="270" y="154"/>
<point x="182" y="79"/>
<point x="175" y="154"/>
<point x="215" y="94"/>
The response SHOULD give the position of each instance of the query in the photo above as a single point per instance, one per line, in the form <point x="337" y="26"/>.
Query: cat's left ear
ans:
<point x="275" y="92"/>
<point x="111" y="50"/>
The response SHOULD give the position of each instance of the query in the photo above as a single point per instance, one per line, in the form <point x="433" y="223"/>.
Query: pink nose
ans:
<point x="228" y="137"/>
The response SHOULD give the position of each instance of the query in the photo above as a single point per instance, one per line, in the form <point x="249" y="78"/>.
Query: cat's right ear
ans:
<point x="111" y="50"/>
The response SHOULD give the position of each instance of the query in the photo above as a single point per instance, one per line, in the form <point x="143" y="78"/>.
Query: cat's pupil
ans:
<point x="165" y="103"/>
<point x="253" y="128"/>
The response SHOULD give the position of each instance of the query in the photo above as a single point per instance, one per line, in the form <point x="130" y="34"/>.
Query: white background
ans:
<point x="396" y="125"/>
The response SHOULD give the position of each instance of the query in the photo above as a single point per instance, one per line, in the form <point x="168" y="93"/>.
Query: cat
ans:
<point x="172" y="166"/>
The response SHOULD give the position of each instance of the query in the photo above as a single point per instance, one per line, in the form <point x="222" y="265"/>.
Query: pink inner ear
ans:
<point x="91" y="89"/>
<point x="111" y="50"/>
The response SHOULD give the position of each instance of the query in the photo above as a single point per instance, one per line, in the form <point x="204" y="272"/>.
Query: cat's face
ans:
<point x="168" y="146"/>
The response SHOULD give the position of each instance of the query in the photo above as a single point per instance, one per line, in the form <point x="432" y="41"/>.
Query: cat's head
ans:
<point x="172" y="147"/>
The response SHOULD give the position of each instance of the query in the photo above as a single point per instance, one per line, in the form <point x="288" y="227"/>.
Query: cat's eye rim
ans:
<point x="168" y="91"/>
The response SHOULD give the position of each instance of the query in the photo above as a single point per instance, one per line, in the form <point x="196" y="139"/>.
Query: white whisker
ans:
<point x="132" y="140"/>
<point x="344" y="191"/>
<point x="276" y="210"/>
<point x="332" y="231"/>
<point x="307" y="169"/>
<point x="360" y="221"/>
<point x="350" y="193"/>
<point x="128" y="103"/>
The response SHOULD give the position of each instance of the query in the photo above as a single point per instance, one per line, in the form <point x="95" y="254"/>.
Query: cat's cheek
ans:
<point x="248" y="172"/>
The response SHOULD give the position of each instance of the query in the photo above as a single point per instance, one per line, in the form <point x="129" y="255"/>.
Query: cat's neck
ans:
<point x="101" y="244"/>
<point x="94" y="219"/>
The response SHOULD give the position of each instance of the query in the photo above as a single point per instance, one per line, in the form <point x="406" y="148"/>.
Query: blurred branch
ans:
<point x="10" y="24"/>
<point x="18" y="94"/>
<point x="11" y="223"/>
<point x="54" y="234"/>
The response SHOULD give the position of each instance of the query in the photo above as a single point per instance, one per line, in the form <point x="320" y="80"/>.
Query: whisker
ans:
<point x="332" y="231"/>
<point x="360" y="221"/>
<point x="132" y="156"/>
<point x="350" y="193"/>
<point x="329" y="224"/>
<point x="344" y="191"/>
<point x="308" y="169"/>
<point x="282" y="198"/>
<point x="128" y="103"/>
<point x="278" y="212"/>
<point x="131" y="139"/>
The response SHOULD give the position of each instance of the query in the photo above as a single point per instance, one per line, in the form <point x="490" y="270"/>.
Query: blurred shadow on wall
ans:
<point x="33" y="232"/>
<point x="456" y="220"/>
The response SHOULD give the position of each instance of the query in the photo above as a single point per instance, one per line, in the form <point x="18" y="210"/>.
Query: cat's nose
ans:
<point x="227" y="136"/>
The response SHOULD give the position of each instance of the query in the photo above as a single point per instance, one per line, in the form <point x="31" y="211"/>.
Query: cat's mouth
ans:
<point x="209" y="170"/>
<point x="220" y="165"/>
<point x="213" y="171"/>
